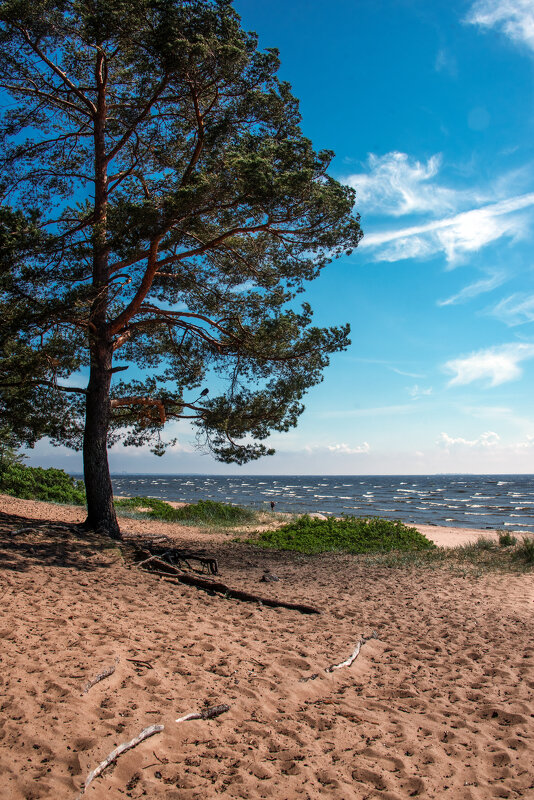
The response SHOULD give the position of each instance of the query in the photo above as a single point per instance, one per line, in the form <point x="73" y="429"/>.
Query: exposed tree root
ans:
<point x="173" y="573"/>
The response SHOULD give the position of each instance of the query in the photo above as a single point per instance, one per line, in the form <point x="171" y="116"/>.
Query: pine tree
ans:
<point x="160" y="206"/>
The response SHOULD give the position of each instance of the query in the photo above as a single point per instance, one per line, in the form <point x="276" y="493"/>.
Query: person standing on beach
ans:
<point x="272" y="505"/>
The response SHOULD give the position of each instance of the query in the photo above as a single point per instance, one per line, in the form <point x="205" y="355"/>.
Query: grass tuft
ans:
<point x="204" y="512"/>
<point x="506" y="539"/>
<point x="524" y="552"/>
<point x="347" y="535"/>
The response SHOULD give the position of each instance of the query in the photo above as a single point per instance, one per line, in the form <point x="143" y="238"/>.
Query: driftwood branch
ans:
<point x="100" y="677"/>
<point x="122" y="748"/>
<point x="171" y="572"/>
<point x="206" y="713"/>
<point x="355" y="653"/>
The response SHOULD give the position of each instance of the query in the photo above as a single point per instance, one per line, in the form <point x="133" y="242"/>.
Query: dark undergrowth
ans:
<point x="35" y="483"/>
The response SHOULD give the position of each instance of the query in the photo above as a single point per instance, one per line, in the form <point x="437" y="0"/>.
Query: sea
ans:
<point x="467" y="501"/>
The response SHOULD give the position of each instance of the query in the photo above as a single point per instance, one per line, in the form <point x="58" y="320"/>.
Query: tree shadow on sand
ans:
<point x="26" y="543"/>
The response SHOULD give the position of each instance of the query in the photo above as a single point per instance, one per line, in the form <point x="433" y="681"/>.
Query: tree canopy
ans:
<point x="161" y="212"/>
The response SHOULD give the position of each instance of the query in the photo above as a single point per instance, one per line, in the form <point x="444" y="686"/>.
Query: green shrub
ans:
<point x="36" y="483"/>
<point x="205" y="511"/>
<point x="348" y="535"/>
<point x="525" y="551"/>
<point x="506" y="539"/>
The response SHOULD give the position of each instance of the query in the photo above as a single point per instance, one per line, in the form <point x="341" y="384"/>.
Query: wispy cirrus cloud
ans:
<point x="475" y="289"/>
<point x="515" y="18"/>
<point x="419" y="391"/>
<point x="397" y="184"/>
<point x="455" y="222"/>
<point x="406" y="374"/>
<point x="455" y="236"/>
<point x="517" y="309"/>
<point x="495" y="364"/>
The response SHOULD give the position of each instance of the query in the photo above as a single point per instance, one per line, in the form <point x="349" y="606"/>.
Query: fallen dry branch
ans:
<point x="206" y="713"/>
<point x="355" y="654"/>
<point x="174" y="574"/>
<point x="100" y="677"/>
<point x="139" y="662"/>
<point x="122" y="748"/>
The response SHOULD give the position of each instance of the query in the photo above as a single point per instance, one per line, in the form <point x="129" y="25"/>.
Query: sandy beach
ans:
<point x="437" y="704"/>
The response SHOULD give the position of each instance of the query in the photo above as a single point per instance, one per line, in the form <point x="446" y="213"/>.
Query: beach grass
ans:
<point x="485" y="555"/>
<point x="346" y="534"/>
<point x="204" y="512"/>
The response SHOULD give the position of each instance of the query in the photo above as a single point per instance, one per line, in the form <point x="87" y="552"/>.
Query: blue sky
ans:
<point x="429" y="108"/>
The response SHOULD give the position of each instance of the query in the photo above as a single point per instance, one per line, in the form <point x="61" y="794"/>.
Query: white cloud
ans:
<point x="515" y="309"/>
<point x="490" y="412"/>
<point x="497" y="364"/>
<point x="344" y="449"/>
<point x="487" y="439"/>
<point x="514" y="17"/>
<point x="455" y="236"/>
<point x="418" y="391"/>
<point x="474" y="289"/>
<point x="527" y="444"/>
<point x="406" y="374"/>
<point x="446" y="62"/>
<point x="397" y="184"/>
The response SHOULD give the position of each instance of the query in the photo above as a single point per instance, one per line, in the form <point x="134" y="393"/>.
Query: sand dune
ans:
<point x="438" y="705"/>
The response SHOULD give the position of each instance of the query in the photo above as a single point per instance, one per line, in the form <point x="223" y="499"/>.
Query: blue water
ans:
<point x="468" y="501"/>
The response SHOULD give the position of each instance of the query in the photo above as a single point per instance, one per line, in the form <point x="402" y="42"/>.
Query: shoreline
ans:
<point x="481" y="502"/>
<point x="442" y="536"/>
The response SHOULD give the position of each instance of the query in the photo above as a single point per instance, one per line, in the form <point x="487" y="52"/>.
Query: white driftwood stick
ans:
<point x="206" y="713"/>
<point x="150" y="731"/>
<point x="194" y="715"/>
<point x="354" y="655"/>
<point x="100" y="677"/>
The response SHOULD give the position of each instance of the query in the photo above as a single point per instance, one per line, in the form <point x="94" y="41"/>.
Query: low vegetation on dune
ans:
<point x="36" y="483"/>
<point x="347" y="535"/>
<point x="204" y="511"/>
<point x="507" y="554"/>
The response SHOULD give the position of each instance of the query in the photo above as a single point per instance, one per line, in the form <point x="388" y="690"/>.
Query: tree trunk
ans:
<point x="99" y="491"/>
<point x="100" y="510"/>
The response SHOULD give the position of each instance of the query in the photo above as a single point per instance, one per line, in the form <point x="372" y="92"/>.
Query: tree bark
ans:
<point x="99" y="490"/>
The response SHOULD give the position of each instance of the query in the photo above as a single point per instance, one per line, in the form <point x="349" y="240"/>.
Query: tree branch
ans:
<point x="124" y="138"/>
<point x="50" y="64"/>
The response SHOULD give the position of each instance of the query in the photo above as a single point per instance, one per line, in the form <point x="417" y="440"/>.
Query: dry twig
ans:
<point x="100" y="677"/>
<point x="139" y="662"/>
<point x="150" y="731"/>
<point x="206" y="713"/>
<point x="354" y="655"/>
